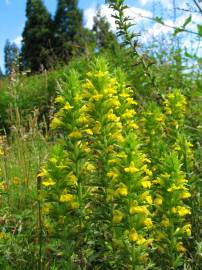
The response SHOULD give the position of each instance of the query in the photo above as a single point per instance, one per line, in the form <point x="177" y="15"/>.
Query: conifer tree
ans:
<point x="11" y="57"/>
<point x="105" y="38"/>
<point x="69" y="30"/>
<point x="37" y="37"/>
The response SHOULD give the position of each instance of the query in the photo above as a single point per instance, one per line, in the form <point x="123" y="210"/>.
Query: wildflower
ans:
<point x="181" y="211"/>
<point x="89" y="167"/>
<point x="187" y="229"/>
<point x="66" y="198"/>
<point x="72" y="179"/>
<point x="97" y="97"/>
<point x="88" y="131"/>
<point x="75" y="135"/>
<point x="113" y="174"/>
<point x="68" y="107"/>
<point x="55" y="123"/>
<point x="49" y="182"/>
<point x="74" y="205"/>
<point x="112" y="117"/>
<point x="148" y="223"/>
<point x="158" y="200"/>
<point x="138" y="210"/>
<point x="131" y="169"/>
<point x="185" y="195"/>
<point x="128" y="114"/>
<point x="122" y="190"/>
<point x="146" y="183"/>
<point x="60" y="99"/>
<point x="131" y="101"/>
<point x="148" y="198"/>
<point x="117" y="216"/>
<point x="133" y="236"/>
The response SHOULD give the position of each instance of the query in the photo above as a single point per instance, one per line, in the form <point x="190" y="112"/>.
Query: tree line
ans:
<point x="48" y="40"/>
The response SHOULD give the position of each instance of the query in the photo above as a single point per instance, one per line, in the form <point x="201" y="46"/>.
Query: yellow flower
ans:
<point x="128" y="114"/>
<point x="75" y="135"/>
<point x="66" y="198"/>
<point x="68" y="107"/>
<point x="187" y="229"/>
<point x="180" y="248"/>
<point x="110" y="90"/>
<point x="148" y="223"/>
<point x="132" y="125"/>
<point x="146" y="170"/>
<point x="117" y="216"/>
<point x="158" y="200"/>
<point x="131" y="168"/>
<point x="101" y="74"/>
<point x="112" y="117"/>
<point x="60" y="99"/>
<point x="88" y="131"/>
<point x="133" y="235"/>
<point x="131" y="101"/>
<point x="141" y="240"/>
<point x="118" y="137"/>
<point x="113" y="174"/>
<point x="181" y="211"/>
<point x="48" y="182"/>
<point x="74" y="205"/>
<point x="55" y="123"/>
<point x="138" y="210"/>
<point x="185" y="195"/>
<point x="147" y="197"/>
<point x="146" y="184"/>
<point x="83" y="119"/>
<point x="174" y="187"/>
<point x="97" y="97"/>
<point x="89" y="167"/>
<point x="72" y="179"/>
<point x="122" y="190"/>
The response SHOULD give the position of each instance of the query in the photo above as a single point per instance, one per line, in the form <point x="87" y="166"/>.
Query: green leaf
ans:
<point x="177" y="30"/>
<point x="199" y="26"/>
<point x="159" y="20"/>
<point x="187" y="21"/>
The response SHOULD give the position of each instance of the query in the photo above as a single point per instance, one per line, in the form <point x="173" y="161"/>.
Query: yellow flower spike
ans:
<point x="101" y="74"/>
<point x="131" y="169"/>
<point x="141" y="240"/>
<point x="117" y="216"/>
<point x="55" y="123"/>
<point x="146" y="183"/>
<point x="114" y="102"/>
<point x="66" y="198"/>
<point x="89" y="167"/>
<point x="112" y="117"/>
<point x="110" y="90"/>
<point x="97" y="97"/>
<point x="75" y="135"/>
<point x="49" y="182"/>
<point x="133" y="235"/>
<point x="68" y="107"/>
<point x="132" y="125"/>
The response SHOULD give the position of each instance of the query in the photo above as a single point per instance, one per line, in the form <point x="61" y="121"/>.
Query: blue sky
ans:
<point x="12" y="17"/>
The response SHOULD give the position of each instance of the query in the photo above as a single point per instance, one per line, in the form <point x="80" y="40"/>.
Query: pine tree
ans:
<point x="11" y="57"/>
<point x="105" y="38"/>
<point x="69" y="30"/>
<point x="37" y="37"/>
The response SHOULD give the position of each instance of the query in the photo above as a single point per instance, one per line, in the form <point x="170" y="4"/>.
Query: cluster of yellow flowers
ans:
<point x="100" y="187"/>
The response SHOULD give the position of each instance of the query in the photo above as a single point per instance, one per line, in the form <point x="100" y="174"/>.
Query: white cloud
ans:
<point x="18" y="41"/>
<point x="133" y="12"/>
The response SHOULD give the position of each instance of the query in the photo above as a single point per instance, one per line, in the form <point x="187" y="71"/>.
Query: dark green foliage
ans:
<point x="37" y="37"/>
<point x="1" y="73"/>
<point x="69" y="33"/>
<point x="105" y="39"/>
<point x="11" y="57"/>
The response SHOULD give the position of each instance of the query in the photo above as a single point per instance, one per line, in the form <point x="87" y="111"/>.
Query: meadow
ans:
<point x="100" y="163"/>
